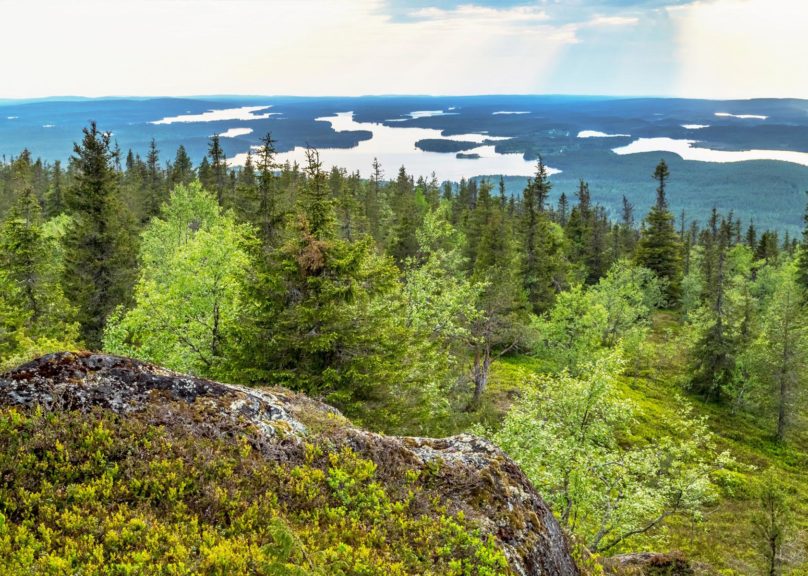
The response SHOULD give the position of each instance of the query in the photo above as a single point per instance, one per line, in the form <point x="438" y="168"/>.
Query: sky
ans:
<point x="695" y="49"/>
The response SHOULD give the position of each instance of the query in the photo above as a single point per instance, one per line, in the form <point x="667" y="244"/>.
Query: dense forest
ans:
<point x="648" y="374"/>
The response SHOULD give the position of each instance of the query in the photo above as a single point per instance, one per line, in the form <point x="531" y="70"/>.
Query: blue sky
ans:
<point x="699" y="48"/>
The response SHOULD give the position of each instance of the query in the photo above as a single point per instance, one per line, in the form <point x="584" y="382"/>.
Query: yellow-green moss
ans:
<point x="102" y="494"/>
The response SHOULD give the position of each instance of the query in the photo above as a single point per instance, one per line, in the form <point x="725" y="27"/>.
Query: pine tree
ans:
<point x="659" y="248"/>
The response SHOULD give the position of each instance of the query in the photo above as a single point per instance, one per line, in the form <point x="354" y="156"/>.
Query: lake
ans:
<point x="394" y="146"/>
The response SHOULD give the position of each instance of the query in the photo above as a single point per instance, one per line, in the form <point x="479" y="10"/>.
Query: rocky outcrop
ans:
<point x="466" y="472"/>
<point x="648" y="564"/>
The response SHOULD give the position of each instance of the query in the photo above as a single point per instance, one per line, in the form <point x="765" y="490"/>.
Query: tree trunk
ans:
<point x="482" y="365"/>
<point x="784" y="375"/>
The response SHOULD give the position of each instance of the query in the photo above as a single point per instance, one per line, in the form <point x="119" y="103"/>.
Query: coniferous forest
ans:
<point x="648" y="373"/>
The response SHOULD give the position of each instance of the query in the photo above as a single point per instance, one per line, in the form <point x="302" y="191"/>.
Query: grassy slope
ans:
<point x="725" y="539"/>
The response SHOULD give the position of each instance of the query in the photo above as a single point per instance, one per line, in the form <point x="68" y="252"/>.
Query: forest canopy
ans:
<point x="649" y="373"/>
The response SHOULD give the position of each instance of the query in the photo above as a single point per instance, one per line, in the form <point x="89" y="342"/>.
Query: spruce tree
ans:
<point x="579" y="225"/>
<point x="628" y="234"/>
<point x="563" y="209"/>
<point x="502" y="306"/>
<point x="218" y="169"/>
<point x="54" y="198"/>
<point x="182" y="169"/>
<point x="408" y="211"/>
<point x="35" y="317"/>
<point x="100" y="246"/>
<point x="783" y="345"/>
<point x="715" y="351"/>
<point x="205" y="174"/>
<point x="502" y="196"/>
<point x="155" y="190"/>
<point x="768" y="247"/>
<point x="659" y="248"/>
<point x="317" y="206"/>
<point x="325" y="314"/>
<point x="374" y="201"/>
<point x="802" y="257"/>
<point x="543" y="267"/>
<point x="269" y="214"/>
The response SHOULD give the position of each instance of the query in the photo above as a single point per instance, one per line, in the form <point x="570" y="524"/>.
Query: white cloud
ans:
<point x="486" y="14"/>
<point x="353" y="47"/>
<point x="604" y="21"/>
<point x="742" y="48"/>
<point x="306" y="47"/>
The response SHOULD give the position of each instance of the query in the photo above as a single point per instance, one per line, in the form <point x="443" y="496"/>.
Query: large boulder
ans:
<point x="649" y="564"/>
<point x="469" y="476"/>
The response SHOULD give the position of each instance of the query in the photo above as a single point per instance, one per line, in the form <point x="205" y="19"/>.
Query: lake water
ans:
<point x="687" y="151"/>
<point x="395" y="147"/>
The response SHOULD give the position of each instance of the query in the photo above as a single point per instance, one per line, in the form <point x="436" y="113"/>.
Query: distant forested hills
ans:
<point x="768" y="192"/>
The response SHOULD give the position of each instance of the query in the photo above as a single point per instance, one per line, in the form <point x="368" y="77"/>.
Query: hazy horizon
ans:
<point x="325" y="96"/>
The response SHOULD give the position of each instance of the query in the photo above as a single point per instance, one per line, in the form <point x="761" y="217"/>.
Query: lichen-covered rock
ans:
<point x="649" y="564"/>
<point x="466" y="473"/>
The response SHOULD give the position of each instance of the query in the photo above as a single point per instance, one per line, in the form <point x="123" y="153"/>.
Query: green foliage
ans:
<point x="98" y="494"/>
<point x="565" y="433"/>
<point x="802" y="255"/>
<point x="629" y="294"/>
<point x="407" y="305"/>
<point x="778" y="355"/>
<point x="441" y="299"/>
<point x="327" y="316"/>
<point x="35" y="316"/>
<point x="189" y="296"/>
<point x="773" y="522"/>
<point x="571" y="333"/>
<point x="585" y="322"/>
